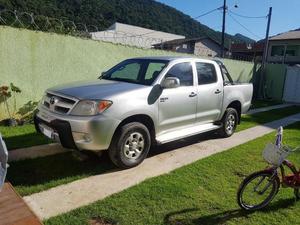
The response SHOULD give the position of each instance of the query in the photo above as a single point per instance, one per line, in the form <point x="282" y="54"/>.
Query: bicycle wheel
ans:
<point x="257" y="190"/>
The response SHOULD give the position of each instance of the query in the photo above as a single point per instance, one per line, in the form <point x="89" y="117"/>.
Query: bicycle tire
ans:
<point x="275" y="185"/>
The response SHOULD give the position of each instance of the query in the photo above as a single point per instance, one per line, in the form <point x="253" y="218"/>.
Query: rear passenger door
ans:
<point x="210" y="92"/>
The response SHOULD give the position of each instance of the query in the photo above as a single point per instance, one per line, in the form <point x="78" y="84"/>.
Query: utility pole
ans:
<point x="223" y="29"/>
<point x="265" y="56"/>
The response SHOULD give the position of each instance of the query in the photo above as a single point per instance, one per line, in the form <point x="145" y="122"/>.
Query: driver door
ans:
<point x="177" y="106"/>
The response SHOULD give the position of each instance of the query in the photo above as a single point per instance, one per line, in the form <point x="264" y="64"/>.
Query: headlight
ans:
<point x="42" y="101"/>
<point x="90" y="108"/>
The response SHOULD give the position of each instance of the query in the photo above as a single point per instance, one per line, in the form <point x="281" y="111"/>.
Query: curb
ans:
<point x="268" y="108"/>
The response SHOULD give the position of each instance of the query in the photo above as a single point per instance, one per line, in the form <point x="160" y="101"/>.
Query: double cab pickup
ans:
<point x="141" y="102"/>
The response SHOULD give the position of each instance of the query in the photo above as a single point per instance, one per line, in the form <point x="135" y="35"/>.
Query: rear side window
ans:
<point x="206" y="73"/>
<point x="184" y="72"/>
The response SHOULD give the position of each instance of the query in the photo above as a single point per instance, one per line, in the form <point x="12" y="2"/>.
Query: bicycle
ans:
<point x="259" y="188"/>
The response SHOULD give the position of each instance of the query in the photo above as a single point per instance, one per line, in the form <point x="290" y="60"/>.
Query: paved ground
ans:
<point x="268" y="108"/>
<point x="64" y="198"/>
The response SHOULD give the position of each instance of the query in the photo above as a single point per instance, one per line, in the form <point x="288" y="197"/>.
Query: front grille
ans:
<point x="58" y="103"/>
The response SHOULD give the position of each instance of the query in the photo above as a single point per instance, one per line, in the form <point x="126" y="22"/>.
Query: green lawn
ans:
<point x="248" y="121"/>
<point x="201" y="193"/>
<point x="264" y="103"/>
<point x="22" y="136"/>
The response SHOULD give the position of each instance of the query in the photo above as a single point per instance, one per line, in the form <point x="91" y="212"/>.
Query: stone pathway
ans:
<point x="82" y="192"/>
<point x="268" y="108"/>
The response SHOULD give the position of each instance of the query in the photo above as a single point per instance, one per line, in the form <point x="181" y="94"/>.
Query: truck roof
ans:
<point x="171" y="58"/>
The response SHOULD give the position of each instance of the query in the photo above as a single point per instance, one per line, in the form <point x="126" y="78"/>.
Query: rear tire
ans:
<point x="130" y="145"/>
<point x="271" y="184"/>
<point x="229" y="123"/>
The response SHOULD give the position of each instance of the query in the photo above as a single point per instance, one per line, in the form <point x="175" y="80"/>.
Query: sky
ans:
<point x="285" y="15"/>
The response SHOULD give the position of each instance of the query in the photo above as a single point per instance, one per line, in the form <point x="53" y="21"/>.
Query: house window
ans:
<point x="293" y="50"/>
<point x="277" y="50"/>
<point x="184" y="46"/>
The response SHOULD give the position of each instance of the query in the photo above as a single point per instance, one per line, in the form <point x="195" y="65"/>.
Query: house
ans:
<point x="248" y="52"/>
<point x="284" y="65"/>
<point x="203" y="46"/>
<point x="285" y="48"/>
<point x="133" y="35"/>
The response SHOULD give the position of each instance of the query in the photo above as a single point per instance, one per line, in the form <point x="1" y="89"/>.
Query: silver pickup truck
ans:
<point x="141" y="102"/>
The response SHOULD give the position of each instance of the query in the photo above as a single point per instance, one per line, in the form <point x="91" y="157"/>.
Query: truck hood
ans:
<point x="95" y="89"/>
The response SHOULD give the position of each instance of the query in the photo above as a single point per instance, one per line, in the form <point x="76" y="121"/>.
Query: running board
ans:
<point x="186" y="132"/>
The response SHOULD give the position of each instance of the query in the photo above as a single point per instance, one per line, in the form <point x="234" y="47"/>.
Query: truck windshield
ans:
<point x="139" y="71"/>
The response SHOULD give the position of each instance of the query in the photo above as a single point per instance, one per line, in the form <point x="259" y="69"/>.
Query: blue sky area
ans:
<point x="285" y="16"/>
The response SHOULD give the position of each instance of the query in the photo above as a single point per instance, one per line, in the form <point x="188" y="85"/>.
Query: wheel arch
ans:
<point x="237" y="105"/>
<point x="143" y="119"/>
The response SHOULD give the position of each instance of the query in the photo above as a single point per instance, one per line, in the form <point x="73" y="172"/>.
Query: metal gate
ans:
<point x="292" y="85"/>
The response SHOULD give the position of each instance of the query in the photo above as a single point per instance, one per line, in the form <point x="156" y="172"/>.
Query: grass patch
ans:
<point x="264" y="103"/>
<point x="248" y="121"/>
<point x="22" y="136"/>
<point x="201" y="193"/>
<point x="35" y="175"/>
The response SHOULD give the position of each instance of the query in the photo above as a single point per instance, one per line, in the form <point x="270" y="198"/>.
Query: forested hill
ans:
<point x="103" y="13"/>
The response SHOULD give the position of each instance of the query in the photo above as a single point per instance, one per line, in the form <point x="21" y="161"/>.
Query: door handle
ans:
<point x="193" y="94"/>
<point x="218" y="91"/>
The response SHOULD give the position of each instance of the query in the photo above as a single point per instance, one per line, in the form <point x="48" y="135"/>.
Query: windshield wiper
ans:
<point x="122" y="80"/>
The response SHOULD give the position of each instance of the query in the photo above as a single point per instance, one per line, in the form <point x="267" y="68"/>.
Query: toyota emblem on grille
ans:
<point x="53" y="100"/>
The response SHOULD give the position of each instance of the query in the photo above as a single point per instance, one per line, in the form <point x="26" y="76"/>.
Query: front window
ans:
<point x="139" y="71"/>
<point x="184" y="72"/>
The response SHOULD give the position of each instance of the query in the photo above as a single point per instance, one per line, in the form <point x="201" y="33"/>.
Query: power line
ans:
<point x="248" y="17"/>
<point x="209" y="12"/>
<point x="244" y="26"/>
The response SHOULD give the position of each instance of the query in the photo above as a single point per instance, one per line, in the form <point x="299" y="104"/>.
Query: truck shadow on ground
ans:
<point x="186" y="216"/>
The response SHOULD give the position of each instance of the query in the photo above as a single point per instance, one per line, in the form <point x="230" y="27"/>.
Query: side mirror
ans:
<point x="171" y="82"/>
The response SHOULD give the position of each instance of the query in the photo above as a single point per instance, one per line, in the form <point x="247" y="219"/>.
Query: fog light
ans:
<point x="82" y="137"/>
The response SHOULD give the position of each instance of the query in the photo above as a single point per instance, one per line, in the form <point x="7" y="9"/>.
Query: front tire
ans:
<point x="229" y="123"/>
<point x="257" y="190"/>
<point x="130" y="145"/>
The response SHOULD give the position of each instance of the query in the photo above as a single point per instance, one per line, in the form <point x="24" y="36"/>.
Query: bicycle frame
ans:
<point x="292" y="181"/>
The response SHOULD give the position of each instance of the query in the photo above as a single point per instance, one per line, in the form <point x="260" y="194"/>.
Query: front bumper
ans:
<point x="77" y="132"/>
<point x="63" y="132"/>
